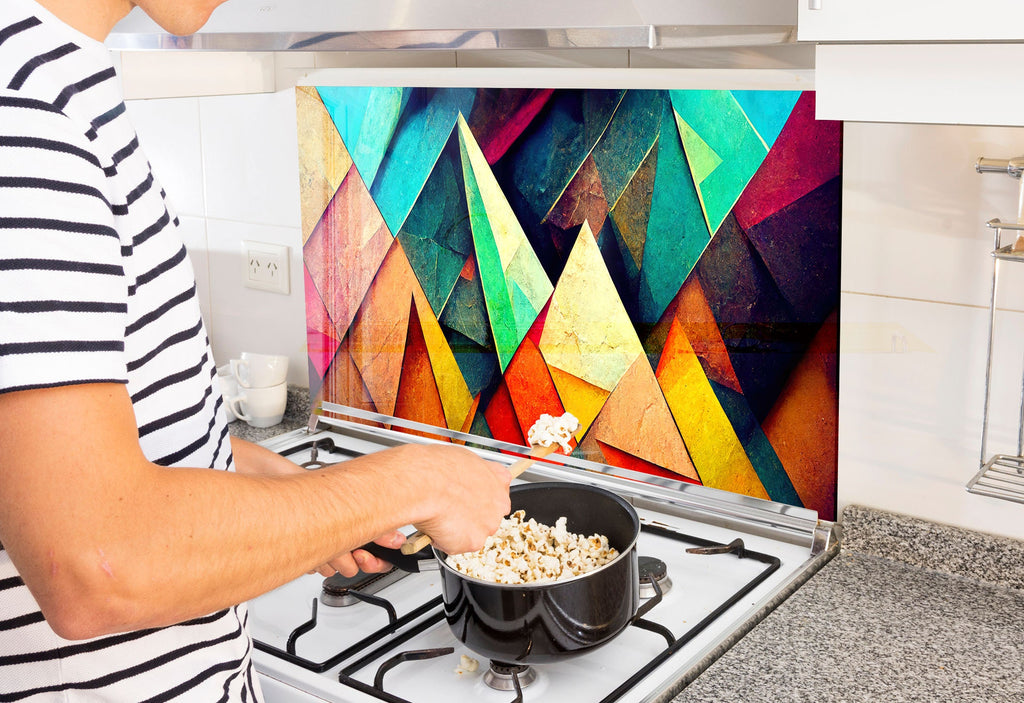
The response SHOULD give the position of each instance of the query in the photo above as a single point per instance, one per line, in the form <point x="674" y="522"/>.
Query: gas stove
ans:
<point x="713" y="564"/>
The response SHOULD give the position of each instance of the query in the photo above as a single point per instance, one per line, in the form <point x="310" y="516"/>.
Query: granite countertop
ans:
<point x="909" y="610"/>
<point x="296" y="415"/>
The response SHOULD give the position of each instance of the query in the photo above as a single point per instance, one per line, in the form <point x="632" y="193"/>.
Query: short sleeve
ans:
<point x="63" y="290"/>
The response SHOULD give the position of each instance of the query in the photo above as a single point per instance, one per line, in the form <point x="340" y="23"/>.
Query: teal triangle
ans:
<point x="716" y="117"/>
<point x="427" y="120"/>
<point x="522" y="309"/>
<point x="677" y="233"/>
<point x="366" y="119"/>
<point x="767" y="110"/>
<point x="436" y="235"/>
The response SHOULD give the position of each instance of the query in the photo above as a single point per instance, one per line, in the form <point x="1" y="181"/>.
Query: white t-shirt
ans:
<point x="95" y="286"/>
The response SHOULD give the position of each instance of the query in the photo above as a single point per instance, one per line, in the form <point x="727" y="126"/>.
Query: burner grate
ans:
<point x="386" y="642"/>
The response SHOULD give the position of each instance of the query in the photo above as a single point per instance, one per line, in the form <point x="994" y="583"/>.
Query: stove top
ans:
<point x="717" y="562"/>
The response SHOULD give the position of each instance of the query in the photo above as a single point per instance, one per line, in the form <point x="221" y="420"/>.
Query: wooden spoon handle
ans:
<point x="418" y="540"/>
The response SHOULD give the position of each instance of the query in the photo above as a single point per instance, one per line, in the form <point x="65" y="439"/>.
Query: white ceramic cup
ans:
<point x="260" y="370"/>
<point x="260" y="407"/>
<point x="228" y="388"/>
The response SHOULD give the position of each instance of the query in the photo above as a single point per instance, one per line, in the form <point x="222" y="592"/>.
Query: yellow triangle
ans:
<point x="715" y="449"/>
<point x="455" y="396"/>
<point x="323" y="158"/>
<point x="587" y="332"/>
<point x="582" y="399"/>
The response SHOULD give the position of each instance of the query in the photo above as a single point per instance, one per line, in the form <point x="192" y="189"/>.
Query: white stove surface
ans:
<point x="700" y="584"/>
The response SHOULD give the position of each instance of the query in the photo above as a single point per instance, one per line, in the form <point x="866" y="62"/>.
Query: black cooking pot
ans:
<point x="542" y="622"/>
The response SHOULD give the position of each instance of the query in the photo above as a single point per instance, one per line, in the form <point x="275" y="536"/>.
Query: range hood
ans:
<point x="361" y="25"/>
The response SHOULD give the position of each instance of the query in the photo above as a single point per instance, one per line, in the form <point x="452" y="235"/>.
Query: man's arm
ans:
<point x="107" y="541"/>
<point x="250" y="458"/>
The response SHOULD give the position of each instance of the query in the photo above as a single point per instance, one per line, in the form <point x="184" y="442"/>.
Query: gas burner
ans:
<point x="653" y="568"/>
<point x="340" y="591"/>
<point x="501" y="676"/>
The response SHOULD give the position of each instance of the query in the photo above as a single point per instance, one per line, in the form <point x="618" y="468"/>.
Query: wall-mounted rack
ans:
<point x="1001" y="475"/>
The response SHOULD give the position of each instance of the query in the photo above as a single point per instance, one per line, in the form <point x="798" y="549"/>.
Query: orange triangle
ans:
<point x="698" y="321"/>
<point x="378" y="332"/>
<point x="418" y="398"/>
<point x="636" y="420"/>
<point x="530" y="386"/>
<point x="582" y="399"/>
<point x="803" y="424"/>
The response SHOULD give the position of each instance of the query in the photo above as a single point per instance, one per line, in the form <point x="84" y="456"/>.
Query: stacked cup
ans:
<point x="262" y="391"/>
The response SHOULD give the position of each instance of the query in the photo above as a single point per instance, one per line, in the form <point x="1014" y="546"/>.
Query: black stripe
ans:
<point x="58" y="225"/>
<point x="51" y="184"/>
<point x="29" y="103"/>
<point x="33" y="306"/>
<point x="99" y="644"/>
<point x="153" y="229"/>
<point x="25" y="71"/>
<point x="169" y="380"/>
<point x="12" y="582"/>
<point x="59" y="384"/>
<point x="177" y="416"/>
<point x="195" y="681"/>
<point x="60" y="265"/>
<point x="103" y="120"/>
<point x="126" y="151"/>
<point x="162" y="268"/>
<point x="134" y="195"/>
<point x="62" y="346"/>
<point x="81" y="86"/>
<point x="142" y="668"/>
<point x="155" y="314"/>
<point x="170" y="341"/>
<point x="8" y="32"/>
<point x="220" y="442"/>
<point x="21" y="621"/>
<point x="177" y="456"/>
<point x="52" y="145"/>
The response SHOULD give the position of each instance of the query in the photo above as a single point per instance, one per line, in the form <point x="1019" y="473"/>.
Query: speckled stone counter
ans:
<point x="908" y="611"/>
<point x="296" y="415"/>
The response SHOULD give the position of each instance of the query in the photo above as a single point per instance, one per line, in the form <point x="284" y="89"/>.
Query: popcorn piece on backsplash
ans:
<point x="548" y="430"/>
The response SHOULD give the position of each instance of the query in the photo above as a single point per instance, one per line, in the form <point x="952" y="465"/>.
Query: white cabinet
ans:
<point x="910" y="20"/>
<point x="922" y="61"/>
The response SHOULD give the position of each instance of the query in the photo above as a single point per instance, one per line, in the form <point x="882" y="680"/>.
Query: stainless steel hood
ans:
<point x="361" y="25"/>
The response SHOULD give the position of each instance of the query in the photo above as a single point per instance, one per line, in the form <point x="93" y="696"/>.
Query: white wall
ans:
<point x="230" y="167"/>
<point x="916" y="282"/>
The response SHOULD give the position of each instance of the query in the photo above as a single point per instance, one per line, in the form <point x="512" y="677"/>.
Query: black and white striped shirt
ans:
<point x="95" y="286"/>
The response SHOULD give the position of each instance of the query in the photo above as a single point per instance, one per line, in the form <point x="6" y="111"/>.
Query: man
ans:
<point x="124" y="555"/>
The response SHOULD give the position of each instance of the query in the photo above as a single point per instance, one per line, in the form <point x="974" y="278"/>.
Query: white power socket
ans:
<point x="265" y="266"/>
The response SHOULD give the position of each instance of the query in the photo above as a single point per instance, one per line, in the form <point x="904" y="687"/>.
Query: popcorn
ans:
<point x="550" y="430"/>
<point x="525" y="551"/>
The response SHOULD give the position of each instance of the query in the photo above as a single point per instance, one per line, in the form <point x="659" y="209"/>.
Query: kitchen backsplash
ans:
<point x="662" y="264"/>
<point x="915" y="284"/>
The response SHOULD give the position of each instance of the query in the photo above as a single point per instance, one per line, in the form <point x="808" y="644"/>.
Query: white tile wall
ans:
<point x="916" y="276"/>
<point x="916" y="282"/>
<point x="230" y="167"/>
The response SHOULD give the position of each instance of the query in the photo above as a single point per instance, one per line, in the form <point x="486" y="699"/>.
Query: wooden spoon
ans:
<point x="418" y="540"/>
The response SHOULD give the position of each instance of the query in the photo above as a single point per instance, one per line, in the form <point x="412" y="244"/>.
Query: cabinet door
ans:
<point x="910" y="20"/>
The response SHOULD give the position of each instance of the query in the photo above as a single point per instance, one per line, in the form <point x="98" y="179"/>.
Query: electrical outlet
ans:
<point x="265" y="266"/>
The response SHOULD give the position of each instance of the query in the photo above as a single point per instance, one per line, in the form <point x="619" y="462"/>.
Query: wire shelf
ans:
<point x="1001" y="477"/>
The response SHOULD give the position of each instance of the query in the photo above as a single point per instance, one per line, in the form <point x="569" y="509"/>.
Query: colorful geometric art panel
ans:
<point x="663" y="264"/>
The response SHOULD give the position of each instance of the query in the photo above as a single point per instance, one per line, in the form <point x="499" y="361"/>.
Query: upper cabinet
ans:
<point x="928" y="61"/>
<point x="910" y="20"/>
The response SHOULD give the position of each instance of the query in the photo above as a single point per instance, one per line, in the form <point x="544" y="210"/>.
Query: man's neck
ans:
<point x="94" y="18"/>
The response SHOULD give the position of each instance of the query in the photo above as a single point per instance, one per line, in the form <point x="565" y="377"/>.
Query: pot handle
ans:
<point x="414" y="563"/>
